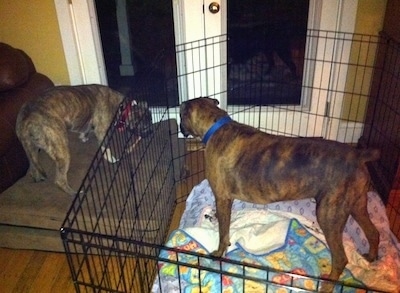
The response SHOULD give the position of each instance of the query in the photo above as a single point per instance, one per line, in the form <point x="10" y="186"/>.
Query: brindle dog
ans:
<point x="247" y="164"/>
<point x="43" y="124"/>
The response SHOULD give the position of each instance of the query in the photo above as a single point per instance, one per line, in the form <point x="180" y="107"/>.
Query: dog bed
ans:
<point x="31" y="214"/>
<point x="283" y="236"/>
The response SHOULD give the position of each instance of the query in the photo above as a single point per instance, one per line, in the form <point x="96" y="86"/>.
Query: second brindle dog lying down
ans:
<point x="247" y="164"/>
<point x="43" y="124"/>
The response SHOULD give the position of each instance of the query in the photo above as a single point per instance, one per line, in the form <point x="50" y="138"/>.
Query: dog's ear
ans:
<point x="183" y="108"/>
<point x="214" y="101"/>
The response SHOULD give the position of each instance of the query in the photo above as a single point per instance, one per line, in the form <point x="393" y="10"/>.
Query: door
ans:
<point x="301" y="101"/>
<point x="139" y="48"/>
<point x="235" y="71"/>
<point x="200" y="34"/>
<point x="202" y="62"/>
<point x="266" y="51"/>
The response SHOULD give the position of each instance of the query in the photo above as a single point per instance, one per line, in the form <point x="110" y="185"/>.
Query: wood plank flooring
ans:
<point x="34" y="271"/>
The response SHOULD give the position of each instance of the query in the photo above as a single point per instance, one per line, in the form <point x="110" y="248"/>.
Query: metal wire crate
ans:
<point x="119" y="221"/>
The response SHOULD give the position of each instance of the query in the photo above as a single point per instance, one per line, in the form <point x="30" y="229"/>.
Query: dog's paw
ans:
<point x="222" y="247"/>
<point x="38" y="176"/>
<point x="83" y="137"/>
<point x="326" y="287"/>
<point x="66" y="188"/>
<point x="108" y="155"/>
<point x="220" y="252"/>
<point x="216" y="253"/>
<point x="369" y="258"/>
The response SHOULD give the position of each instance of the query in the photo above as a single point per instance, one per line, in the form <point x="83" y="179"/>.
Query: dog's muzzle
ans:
<point x="122" y="122"/>
<point x="137" y="121"/>
<point x="184" y="131"/>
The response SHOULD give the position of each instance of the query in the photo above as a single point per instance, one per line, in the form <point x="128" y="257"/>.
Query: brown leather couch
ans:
<point x="19" y="83"/>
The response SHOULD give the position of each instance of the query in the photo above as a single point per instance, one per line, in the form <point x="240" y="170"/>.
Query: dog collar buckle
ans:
<point x="217" y="125"/>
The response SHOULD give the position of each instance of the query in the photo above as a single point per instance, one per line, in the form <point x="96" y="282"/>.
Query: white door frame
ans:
<point x="80" y="36"/>
<point x="85" y="61"/>
<point x="200" y="38"/>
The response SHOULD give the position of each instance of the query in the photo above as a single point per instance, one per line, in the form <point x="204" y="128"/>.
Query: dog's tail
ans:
<point x="369" y="155"/>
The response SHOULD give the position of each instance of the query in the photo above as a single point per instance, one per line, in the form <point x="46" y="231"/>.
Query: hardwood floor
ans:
<point x="34" y="271"/>
<point x="29" y="271"/>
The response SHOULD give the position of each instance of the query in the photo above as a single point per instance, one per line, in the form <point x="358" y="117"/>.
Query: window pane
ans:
<point x="266" y="51"/>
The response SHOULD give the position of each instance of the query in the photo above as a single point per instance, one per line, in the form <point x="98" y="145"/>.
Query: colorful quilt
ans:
<point x="302" y="253"/>
<point x="284" y="236"/>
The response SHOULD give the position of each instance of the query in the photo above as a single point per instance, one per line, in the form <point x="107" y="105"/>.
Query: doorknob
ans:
<point x="214" y="7"/>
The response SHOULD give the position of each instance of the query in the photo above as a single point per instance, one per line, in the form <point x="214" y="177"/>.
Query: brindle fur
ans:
<point x="43" y="124"/>
<point x="247" y="164"/>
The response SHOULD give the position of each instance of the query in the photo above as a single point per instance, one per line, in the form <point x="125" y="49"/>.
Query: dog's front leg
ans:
<point x="224" y="207"/>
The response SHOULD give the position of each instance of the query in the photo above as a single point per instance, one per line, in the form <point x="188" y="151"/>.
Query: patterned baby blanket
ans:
<point x="301" y="253"/>
<point x="282" y="236"/>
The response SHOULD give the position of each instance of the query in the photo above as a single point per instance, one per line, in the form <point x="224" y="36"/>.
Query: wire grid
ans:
<point x="383" y="127"/>
<point x="130" y="200"/>
<point x="331" y="93"/>
<point x="119" y="221"/>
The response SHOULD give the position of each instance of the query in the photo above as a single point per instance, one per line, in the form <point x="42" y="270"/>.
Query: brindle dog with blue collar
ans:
<point x="247" y="164"/>
<point x="43" y="124"/>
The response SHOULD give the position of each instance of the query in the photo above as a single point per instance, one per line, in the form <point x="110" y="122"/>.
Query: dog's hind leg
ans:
<point x="35" y="169"/>
<point x="57" y="149"/>
<point x="332" y="218"/>
<point x="62" y="167"/>
<point x="26" y="135"/>
<point x="359" y="212"/>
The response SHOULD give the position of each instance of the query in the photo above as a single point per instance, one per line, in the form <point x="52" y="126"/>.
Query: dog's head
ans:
<point x="135" y="117"/>
<point x="197" y="116"/>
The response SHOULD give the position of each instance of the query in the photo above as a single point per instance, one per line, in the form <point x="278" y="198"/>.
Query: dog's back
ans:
<point x="285" y="168"/>
<point x="73" y="106"/>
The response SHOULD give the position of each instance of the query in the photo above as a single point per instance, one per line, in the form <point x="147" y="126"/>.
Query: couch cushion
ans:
<point x="15" y="67"/>
<point x="13" y="162"/>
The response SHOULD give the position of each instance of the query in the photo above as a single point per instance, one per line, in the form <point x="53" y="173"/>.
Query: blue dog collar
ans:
<point x="217" y="125"/>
